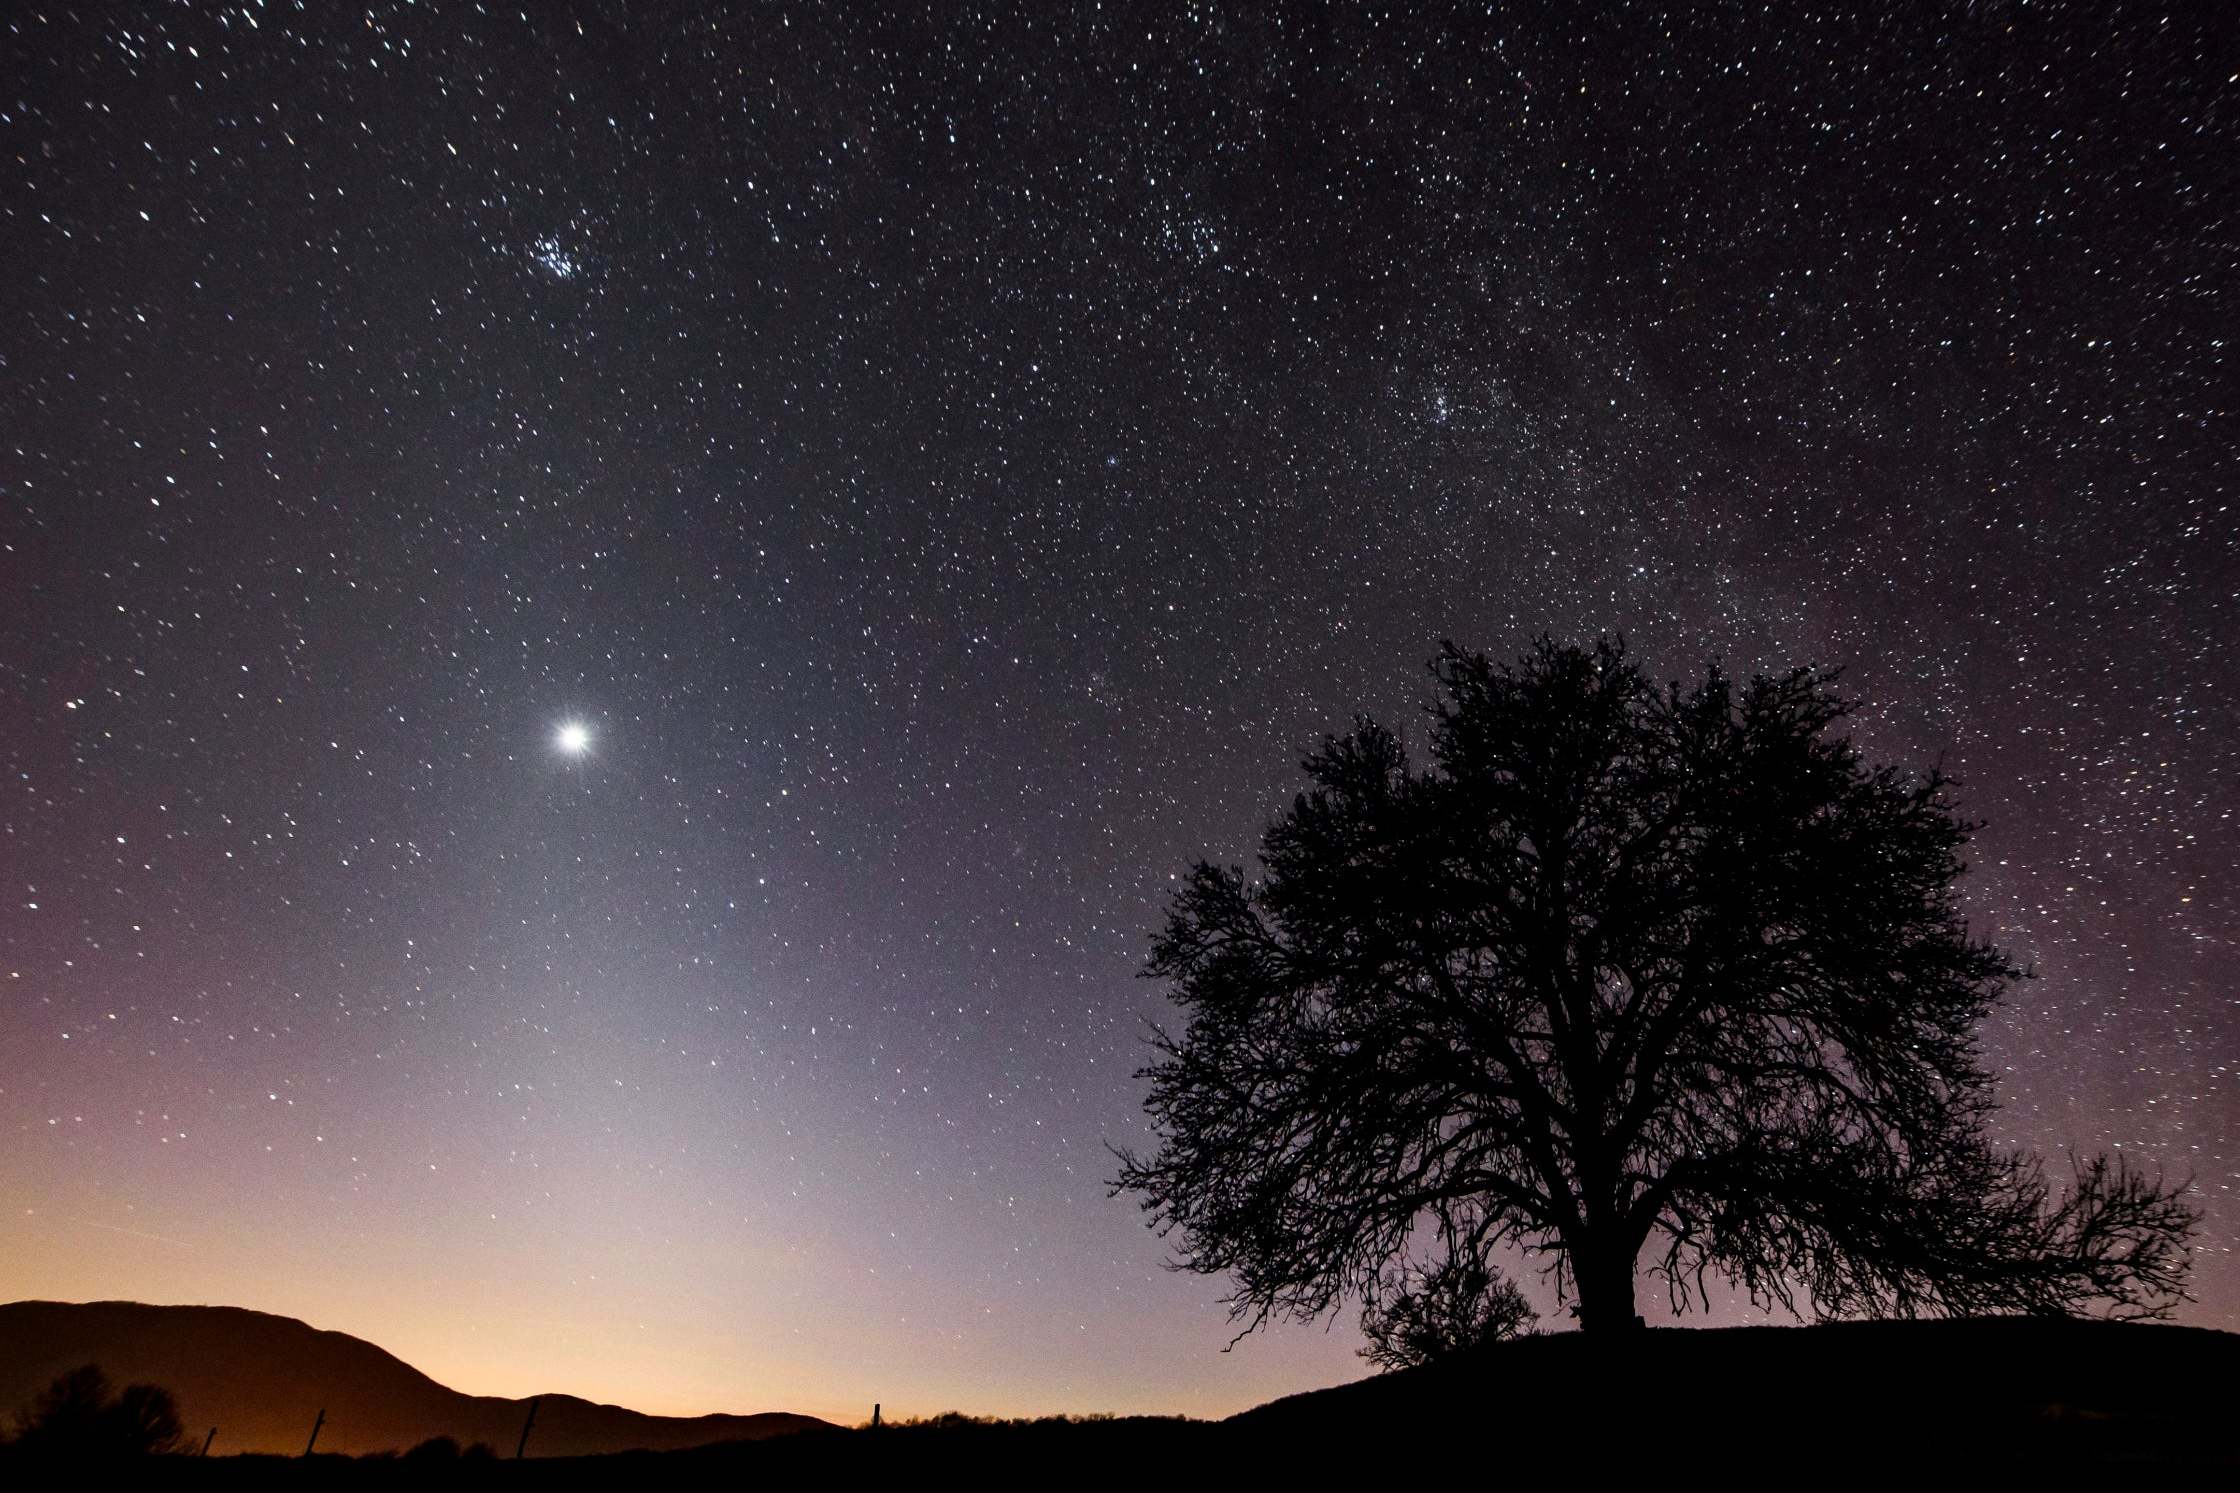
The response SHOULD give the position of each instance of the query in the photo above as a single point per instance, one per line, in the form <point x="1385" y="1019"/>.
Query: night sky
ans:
<point x="949" y="469"/>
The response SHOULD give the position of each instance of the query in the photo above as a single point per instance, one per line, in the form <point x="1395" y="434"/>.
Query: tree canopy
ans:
<point x="1624" y="979"/>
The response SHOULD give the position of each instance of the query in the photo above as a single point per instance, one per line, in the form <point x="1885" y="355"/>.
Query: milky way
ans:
<point x="950" y="469"/>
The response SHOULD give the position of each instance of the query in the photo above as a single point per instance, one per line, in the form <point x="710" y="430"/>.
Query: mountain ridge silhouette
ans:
<point x="261" y="1378"/>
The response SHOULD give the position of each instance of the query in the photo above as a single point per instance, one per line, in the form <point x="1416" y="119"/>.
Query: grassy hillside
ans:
<point x="1990" y="1390"/>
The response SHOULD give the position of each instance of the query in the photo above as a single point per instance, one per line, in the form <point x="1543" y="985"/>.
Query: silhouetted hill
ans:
<point x="260" y="1380"/>
<point x="1765" y="1404"/>
<point x="1842" y="1394"/>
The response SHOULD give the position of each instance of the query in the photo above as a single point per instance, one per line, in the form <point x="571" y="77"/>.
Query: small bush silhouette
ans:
<point x="80" y="1416"/>
<point x="447" y="1449"/>
<point x="1421" y="1314"/>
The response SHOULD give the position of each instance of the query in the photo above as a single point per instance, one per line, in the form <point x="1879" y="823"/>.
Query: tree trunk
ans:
<point x="1605" y="1282"/>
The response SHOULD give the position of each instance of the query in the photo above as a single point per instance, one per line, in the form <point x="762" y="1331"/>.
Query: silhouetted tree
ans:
<point x="145" y="1420"/>
<point x="1418" y="1313"/>
<point x="1622" y="965"/>
<point x="68" y="1412"/>
<point x="78" y="1416"/>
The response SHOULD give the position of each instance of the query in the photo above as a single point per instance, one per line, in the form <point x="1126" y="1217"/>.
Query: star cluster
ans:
<point x="614" y="621"/>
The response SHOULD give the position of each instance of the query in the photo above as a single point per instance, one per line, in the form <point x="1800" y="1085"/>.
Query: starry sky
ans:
<point x="949" y="464"/>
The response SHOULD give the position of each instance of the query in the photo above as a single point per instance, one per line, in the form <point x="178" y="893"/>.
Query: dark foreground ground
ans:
<point x="1763" y="1404"/>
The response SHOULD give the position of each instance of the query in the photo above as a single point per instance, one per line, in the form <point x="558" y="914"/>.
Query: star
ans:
<point x="574" y="738"/>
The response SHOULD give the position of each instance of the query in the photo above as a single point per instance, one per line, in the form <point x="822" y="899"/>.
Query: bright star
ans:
<point x="575" y="739"/>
